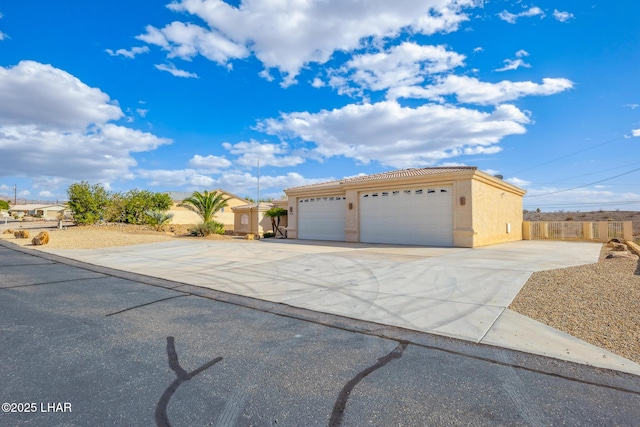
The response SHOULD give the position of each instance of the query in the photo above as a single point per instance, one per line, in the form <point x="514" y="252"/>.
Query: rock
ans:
<point x="250" y="237"/>
<point x="41" y="239"/>
<point x="9" y="231"/>
<point x="612" y="255"/>
<point x="22" y="234"/>
<point x="613" y="246"/>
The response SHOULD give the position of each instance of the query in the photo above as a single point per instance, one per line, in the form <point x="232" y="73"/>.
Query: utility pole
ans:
<point x="15" y="195"/>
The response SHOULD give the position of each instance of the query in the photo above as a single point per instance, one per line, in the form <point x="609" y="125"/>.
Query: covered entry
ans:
<point x="414" y="216"/>
<point x="321" y="218"/>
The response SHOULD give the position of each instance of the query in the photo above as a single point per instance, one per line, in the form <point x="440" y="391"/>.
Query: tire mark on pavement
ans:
<point x="162" y="420"/>
<point x="339" y="407"/>
<point x="145" y="304"/>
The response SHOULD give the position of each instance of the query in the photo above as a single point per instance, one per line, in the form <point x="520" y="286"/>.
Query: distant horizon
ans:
<point x="187" y="95"/>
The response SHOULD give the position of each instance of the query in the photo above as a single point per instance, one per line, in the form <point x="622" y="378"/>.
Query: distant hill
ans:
<point x="633" y="216"/>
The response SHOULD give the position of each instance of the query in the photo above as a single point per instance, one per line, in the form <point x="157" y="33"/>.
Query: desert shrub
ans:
<point x="4" y="206"/>
<point x="569" y="218"/>
<point x="158" y="219"/>
<point x="207" y="228"/>
<point x="87" y="202"/>
<point x="137" y="202"/>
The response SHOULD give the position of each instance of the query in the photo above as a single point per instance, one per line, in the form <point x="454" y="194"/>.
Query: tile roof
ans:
<point x="401" y="173"/>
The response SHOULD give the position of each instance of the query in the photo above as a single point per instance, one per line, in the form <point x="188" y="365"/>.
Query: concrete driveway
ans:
<point x="455" y="292"/>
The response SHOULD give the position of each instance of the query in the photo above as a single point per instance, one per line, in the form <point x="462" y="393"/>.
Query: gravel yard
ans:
<point x="598" y="303"/>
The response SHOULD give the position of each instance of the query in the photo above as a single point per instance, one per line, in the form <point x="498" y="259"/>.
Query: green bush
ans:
<point x="4" y="206"/>
<point x="158" y="219"/>
<point x="207" y="228"/>
<point x="87" y="202"/>
<point x="268" y="234"/>
<point x="137" y="202"/>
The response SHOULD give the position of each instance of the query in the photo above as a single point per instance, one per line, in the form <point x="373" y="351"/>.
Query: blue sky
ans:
<point x="189" y="95"/>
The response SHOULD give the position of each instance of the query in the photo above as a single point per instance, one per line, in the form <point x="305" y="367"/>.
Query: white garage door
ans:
<point x="321" y="218"/>
<point x="412" y="216"/>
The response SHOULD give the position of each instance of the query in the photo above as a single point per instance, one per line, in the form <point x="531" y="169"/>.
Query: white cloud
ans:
<point x="478" y="49"/>
<point x="513" y="64"/>
<point x="289" y="35"/>
<point x="31" y="92"/>
<point x="632" y="106"/>
<point x="400" y="136"/>
<point x="562" y="16"/>
<point x="128" y="53"/>
<point x="175" y="71"/>
<point x="268" y="154"/>
<point x="317" y="83"/>
<point x="521" y="53"/>
<point x="518" y="182"/>
<point x="209" y="163"/>
<point x="234" y="182"/>
<point x="402" y="65"/>
<point x="470" y="90"/>
<point x="190" y="178"/>
<point x="635" y="132"/>
<point x="188" y="40"/>
<point x="2" y="35"/>
<point x="53" y="125"/>
<point x="511" y="18"/>
<point x="45" y="194"/>
<point x="142" y="112"/>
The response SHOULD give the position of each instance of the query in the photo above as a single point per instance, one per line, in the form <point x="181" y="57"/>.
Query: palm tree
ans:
<point x="206" y="204"/>
<point x="276" y="214"/>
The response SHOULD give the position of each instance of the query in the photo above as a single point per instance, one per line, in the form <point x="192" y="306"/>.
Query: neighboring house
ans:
<point x="184" y="215"/>
<point x="250" y="218"/>
<point x="41" y="211"/>
<point x="440" y="206"/>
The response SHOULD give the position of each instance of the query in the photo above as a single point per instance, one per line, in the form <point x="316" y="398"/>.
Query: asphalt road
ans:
<point x="82" y="345"/>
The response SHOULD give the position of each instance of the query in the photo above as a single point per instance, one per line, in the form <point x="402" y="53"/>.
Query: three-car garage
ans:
<point x="441" y="206"/>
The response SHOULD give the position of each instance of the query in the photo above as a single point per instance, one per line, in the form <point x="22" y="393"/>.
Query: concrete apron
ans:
<point x="456" y="292"/>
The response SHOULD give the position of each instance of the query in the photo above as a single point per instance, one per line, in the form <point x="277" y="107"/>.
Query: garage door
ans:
<point x="412" y="216"/>
<point x="321" y="218"/>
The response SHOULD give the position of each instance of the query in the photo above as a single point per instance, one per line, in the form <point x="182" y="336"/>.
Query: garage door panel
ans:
<point x="321" y="218"/>
<point x="419" y="216"/>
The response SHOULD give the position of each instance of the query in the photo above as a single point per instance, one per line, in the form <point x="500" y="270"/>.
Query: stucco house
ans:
<point x="251" y="219"/>
<point x="184" y="215"/>
<point x="439" y="206"/>
<point x="39" y="210"/>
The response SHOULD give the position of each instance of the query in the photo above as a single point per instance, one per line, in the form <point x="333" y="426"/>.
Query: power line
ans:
<point x="586" y="185"/>
<point x="593" y="173"/>
<point x="569" y="154"/>
<point x="586" y="204"/>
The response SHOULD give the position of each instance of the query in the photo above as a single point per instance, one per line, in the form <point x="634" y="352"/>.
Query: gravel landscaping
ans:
<point x="598" y="303"/>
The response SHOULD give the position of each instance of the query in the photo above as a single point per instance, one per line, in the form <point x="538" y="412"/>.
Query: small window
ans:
<point x="443" y="190"/>
<point x="407" y="191"/>
<point x="384" y="193"/>
<point x="418" y="191"/>
<point x="396" y="192"/>
<point x="431" y="191"/>
<point x="244" y="219"/>
<point x="374" y="195"/>
<point x="366" y="195"/>
<point x="222" y="210"/>
<point x="332" y="198"/>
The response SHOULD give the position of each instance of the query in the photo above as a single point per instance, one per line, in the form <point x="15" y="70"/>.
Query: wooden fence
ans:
<point x="601" y="231"/>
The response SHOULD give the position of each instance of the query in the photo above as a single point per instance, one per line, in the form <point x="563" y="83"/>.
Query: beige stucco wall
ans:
<point x="493" y="209"/>
<point x="258" y="224"/>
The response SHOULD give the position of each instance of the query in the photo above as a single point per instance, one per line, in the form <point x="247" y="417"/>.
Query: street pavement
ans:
<point x="88" y="345"/>
<point x="456" y="292"/>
